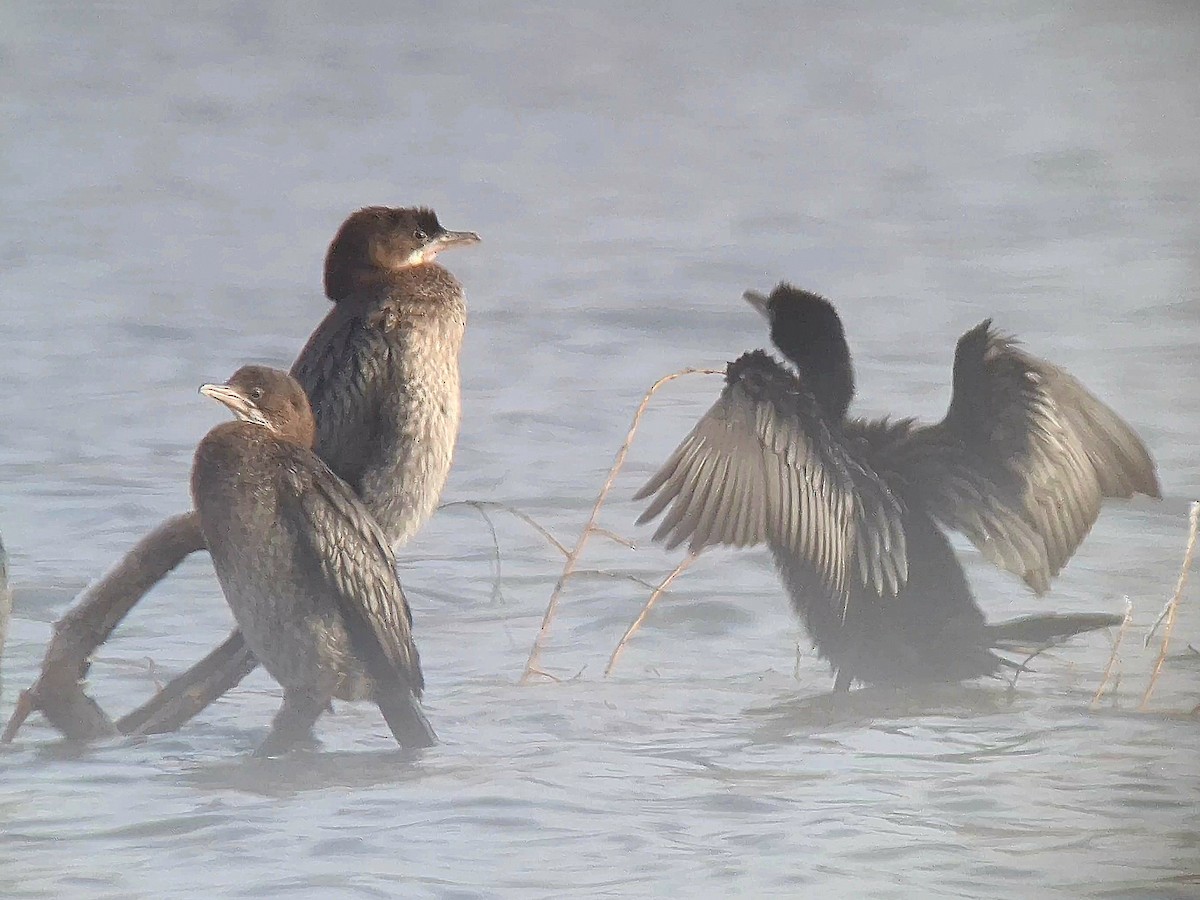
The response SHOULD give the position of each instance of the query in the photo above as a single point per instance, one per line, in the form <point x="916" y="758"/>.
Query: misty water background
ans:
<point x="172" y="176"/>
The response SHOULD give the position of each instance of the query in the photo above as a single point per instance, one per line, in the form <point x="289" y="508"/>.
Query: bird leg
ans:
<point x="294" y="722"/>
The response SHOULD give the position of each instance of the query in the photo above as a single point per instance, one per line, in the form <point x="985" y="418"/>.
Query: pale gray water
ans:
<point x="171" y="178"/>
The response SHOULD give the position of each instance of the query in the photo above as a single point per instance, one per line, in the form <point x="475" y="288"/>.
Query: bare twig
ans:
<point x="603" y="573"/>
<point x="513" y="511"/>
<point x="58" y="692"/>
<point x="1112" y="659"/>
<point x="683" y="566"/>
<point x="616" y="538"/>
<point x="590" y="528"/>
<point x="478" y="506"/>
<point x="1173" y="605"/>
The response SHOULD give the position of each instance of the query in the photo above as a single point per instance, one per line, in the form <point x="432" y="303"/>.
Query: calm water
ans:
<point x="171" y="178"/>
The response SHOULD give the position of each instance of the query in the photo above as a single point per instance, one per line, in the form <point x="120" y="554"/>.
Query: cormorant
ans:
<point x="307" y="571"/>
<point x="381" y="370"/>
<point x="852" y="510"/>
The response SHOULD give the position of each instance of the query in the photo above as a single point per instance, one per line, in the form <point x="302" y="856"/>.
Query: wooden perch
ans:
<point x="211" y="678"/>
<point x="58" y="692"/>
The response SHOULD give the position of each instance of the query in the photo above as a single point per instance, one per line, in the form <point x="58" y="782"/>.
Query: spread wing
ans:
<point x="343" y="368"/>
<point x="763" y="466"/>
<point x="1023" y="458"/>
<point x="350" y="555"/>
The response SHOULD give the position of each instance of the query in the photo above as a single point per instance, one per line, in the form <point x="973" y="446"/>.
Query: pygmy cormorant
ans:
<point x="852" y="510"/>
<point x="307" y="571"/>
<point x="381" y="370"/>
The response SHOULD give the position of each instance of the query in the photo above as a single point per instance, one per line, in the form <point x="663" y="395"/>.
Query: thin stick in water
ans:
<point x="683" y="566"/>
<point x="1194" y="528"/>
<point x="1112" y="659"/>
<point x="590" y="528"/>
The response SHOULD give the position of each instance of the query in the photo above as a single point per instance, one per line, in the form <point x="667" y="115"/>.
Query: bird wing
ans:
<point x="342" y="368"/>
<point x="761" y="466"/>
<point x="350" y="555"/>
<point x="1023" y="458"/>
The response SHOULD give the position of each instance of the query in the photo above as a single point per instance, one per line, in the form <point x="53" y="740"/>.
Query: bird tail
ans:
<point x="403" y="714"/>
<point x="392" y="692"/>
<point x="1031" y="634"/>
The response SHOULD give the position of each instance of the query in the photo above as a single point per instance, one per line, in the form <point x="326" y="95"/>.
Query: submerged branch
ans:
<point x="58" y="692"/>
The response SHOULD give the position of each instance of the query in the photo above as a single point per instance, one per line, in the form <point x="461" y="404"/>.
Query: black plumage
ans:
<point x="850" y="508"/>
<point x="308" y="573"/>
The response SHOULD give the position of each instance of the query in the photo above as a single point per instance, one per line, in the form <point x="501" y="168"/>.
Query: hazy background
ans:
<point x="171" y="177"/>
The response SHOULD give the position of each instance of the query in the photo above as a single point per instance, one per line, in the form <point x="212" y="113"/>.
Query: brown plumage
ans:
<point x="381" y="370"/>
<point x="308" y="573"/>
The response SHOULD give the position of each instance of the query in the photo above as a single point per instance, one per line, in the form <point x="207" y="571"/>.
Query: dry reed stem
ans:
<point x="1173" y="605"/>
<point x="481" y="505"/>
<point x="684" y="565"/>
<point x="590" y="527"/>
<point x="1112" y="659"/>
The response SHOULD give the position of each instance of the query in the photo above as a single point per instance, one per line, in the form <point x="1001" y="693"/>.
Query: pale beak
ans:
<point x="237" y="403"/>
<point x="443" y="240"/>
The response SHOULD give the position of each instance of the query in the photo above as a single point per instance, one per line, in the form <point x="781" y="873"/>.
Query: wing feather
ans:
<point x="1023" y="459"/>
<point x="763" y="466"/>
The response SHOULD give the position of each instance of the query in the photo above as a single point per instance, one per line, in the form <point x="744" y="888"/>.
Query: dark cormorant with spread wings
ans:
<point x="853" y="510"/>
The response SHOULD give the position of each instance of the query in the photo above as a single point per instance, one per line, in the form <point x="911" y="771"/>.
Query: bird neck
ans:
<point x="826" y="371"/>
<point x="350" y="284"/>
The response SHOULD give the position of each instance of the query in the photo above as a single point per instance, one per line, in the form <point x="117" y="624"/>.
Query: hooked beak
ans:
<point x="443" y="241"/>
<point x="237" y="403"/>
<point x="454" y="239"/>
<point x="760" y="302"/>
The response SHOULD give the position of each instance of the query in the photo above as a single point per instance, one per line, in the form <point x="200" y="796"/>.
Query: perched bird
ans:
<point x="307" y="571"/>
<point x="853" y="510"/>
<point x="381" y="370"/>
<point x="382" y="374"/>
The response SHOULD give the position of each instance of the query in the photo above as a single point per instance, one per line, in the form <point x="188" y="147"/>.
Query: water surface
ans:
<point x="171" y="179"/>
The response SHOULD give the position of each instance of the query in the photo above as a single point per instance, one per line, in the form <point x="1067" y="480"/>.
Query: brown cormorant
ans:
<point x="307" y="571"/>
<point x="382" y="374"/>
<point x="381" y="370"/>
<point x="852" y="510"/>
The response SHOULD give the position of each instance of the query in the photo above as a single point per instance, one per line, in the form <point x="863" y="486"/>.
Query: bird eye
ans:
<point x="256" y="393"/>
<point x="420" y="235"/>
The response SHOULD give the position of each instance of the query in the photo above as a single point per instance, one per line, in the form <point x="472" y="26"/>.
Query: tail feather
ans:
<point x="391" y="690"/>
<point x="1031" y="633"/>
<point x="403" y="714"/>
